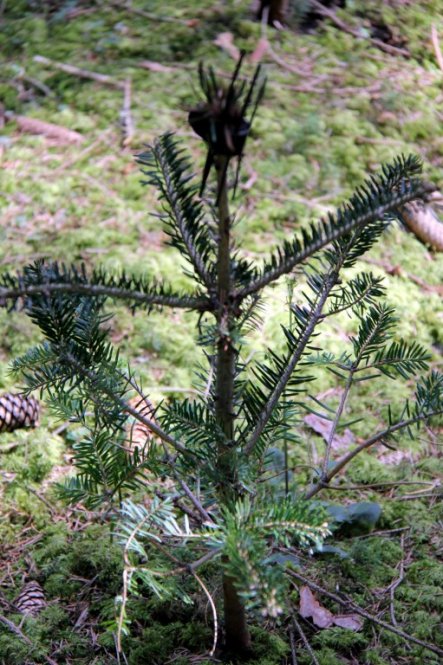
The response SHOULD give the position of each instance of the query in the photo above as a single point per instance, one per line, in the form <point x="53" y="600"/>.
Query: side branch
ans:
<point x="294" y="359"/>
<point x="329" y="233"/>
<point x="127" y="408"/>
<point x="194" y="255"/>
<point x="147" y="299"/>
<point x="343" y="461"/>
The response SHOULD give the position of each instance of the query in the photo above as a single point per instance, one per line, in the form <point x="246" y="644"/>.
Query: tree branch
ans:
<point x="338" y="230"/>
<point x="194" y="255"/>
<point x="343" y="461"/>
<point x="355" y="32"/>
<point x="352" y="370"/>
<point x="186" y="302"/>
<point x="150" y="424"/>
<point x="330" y="282"/>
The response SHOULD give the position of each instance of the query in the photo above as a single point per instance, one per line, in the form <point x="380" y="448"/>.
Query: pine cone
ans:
<point x="18" y="411"/>
<point x="31" y="599"/>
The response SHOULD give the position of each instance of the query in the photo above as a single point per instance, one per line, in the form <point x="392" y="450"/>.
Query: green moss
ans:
<point x="340" y="640"/>
<point x="324" y="656"/>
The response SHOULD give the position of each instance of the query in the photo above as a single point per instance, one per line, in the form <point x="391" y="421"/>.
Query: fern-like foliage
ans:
<point x="195" y="425"/>
<point x="375" y="330"/>
<point x="401" y="358"/>
<point x="186" y="221"/>
<point x="83" y="377"/>
<point x="108" y="468"/>
<point x="367" y="212"/>
<point x="242" y="542"/>
<point x="137" y="292"/>
<point x="250" y="532"/>
<point x="363" y="290"/>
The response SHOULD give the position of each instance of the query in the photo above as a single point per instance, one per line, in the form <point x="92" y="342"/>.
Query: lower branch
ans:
<point x="96" y="290"/>
<point x="343" y="461"/>
<point x="303" y="251"/>
<point x="294" y="359"/>
<point x="152" y="426"/>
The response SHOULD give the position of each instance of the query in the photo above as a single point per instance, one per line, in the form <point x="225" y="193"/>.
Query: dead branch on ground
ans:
<point x="126" y="119"/>
<point x="47" y="129"/>
<point x="341" y="25"/>
<point x="80" y="73"/>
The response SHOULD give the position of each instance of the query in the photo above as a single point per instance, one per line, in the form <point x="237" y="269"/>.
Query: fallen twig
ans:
<point x="370" y="486"/>
<point x="225" y="40"/>
<point x="81" y="73"/>
<point x="47" y="129"/>
<point x="153" y="66"/>
<point x="213" y="609"/>
<point x="126" y="120"/>
<point x="265" y="47"/>
<point x="80" y="155"/>
<point x="41" y="498"/>
<point x="423" y="495"/>
<point x="292" y="645"/>
<point x="419" y="217"/>
<point x="436" y="45"/>
<point x="15" y="629"/>
<point x="392" y="587"/>
<point x="348" y="603"/>
<point x="35" y="83"/>
<point x="305" y="640"/>
<point x="7" y="447"/>
<point x="150" y="15"/>
<point x="331" y="15"/>
<point x="18" y="631"/>
<point x="379" y="437"/>
<point x="384" y="532"/>
<point x="398" y="272"/>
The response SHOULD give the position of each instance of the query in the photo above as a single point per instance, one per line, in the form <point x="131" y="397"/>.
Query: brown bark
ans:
<point x="225" y="349"/>
<point x="277" y="11"/>
<point x="237" y="636"/>
<point x="422" y="220"/>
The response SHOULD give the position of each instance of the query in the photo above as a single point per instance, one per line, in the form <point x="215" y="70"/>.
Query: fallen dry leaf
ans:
<point x="396" y="457"/>
<point x="323" y="427"/>
<point x="226" y="42"/>
<point x="349" y="621"/>
<point x="324" y="618"/>
<point x="156" y="66"/>
<point x="260" y="50"/>
<point x="310" y="607"/>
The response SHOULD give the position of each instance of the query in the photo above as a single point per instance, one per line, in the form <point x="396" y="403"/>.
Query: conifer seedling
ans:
<point x="218" y="504"/>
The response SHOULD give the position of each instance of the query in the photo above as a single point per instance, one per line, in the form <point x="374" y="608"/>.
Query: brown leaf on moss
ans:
<point x="324" y="618"/>
<point x="323" y="427"/>
<point x="225" y="40"/>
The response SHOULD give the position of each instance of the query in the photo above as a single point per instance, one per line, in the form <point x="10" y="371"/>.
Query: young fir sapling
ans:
<point x="214" y="447"/>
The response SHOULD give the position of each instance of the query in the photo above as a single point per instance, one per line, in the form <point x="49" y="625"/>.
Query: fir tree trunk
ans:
<point x="226" y="353"/>
<point x="237" y="634"/>
<point x="277" y="10"/>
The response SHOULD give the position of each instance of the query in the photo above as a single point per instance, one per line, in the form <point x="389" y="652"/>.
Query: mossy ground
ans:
<point x="308" y="150"/>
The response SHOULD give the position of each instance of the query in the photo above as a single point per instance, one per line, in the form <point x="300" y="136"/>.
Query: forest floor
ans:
<point x="344" y="95"/>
